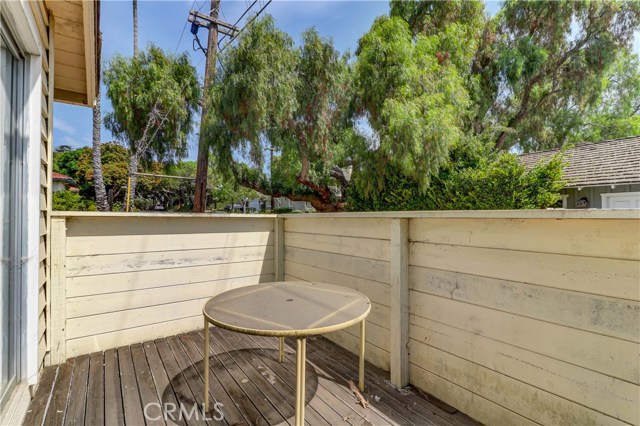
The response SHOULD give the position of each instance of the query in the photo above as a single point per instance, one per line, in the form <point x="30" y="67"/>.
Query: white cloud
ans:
<point x="60" y="124"/>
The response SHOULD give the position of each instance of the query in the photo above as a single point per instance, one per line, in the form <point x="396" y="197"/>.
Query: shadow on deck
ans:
<point x="129" y="385"/>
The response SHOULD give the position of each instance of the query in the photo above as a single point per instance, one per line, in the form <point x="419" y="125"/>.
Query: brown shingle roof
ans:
<point x="600" y="163"/>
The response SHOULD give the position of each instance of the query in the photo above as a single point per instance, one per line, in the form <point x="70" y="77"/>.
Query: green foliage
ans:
<point x="617" y="114"/>
<point x="435" y="90"/>
<point x="414" y="100"/>
<point x="152" y="86"/>
<point x="66" y="161"/>
<point x="549" y="61"/>
<point x="71" y="201"/>
<point x="270" y="93"/>
<point x="283" y="210"/>
<point x="475" y="178"/>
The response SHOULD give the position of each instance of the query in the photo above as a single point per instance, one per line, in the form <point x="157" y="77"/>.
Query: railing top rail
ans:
<point x="450" y="214"/>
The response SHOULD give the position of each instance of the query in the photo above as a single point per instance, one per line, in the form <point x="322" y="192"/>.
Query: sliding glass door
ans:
<point x="12" y="148"/>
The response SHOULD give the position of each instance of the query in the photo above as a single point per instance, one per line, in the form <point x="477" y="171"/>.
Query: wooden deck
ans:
<point x="113" y="387"/>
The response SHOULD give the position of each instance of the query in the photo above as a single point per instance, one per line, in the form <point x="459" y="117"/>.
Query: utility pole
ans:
<point x="202" y="168"/>
<point x="214" y="25"/>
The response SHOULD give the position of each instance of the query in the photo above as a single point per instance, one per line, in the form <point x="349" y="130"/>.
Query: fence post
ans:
<point x="278" y="231"/>
<point x="56" y="306"/>
<point x="399" y="302"/>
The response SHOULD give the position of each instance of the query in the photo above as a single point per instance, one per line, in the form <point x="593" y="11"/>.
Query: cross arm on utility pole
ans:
<point x="193" y="14"/>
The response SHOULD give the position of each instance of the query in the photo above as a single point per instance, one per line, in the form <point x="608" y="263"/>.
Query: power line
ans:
<point x="241" y="16"/>
<point x="183" y="30"/>
<point x="245" y="26"/>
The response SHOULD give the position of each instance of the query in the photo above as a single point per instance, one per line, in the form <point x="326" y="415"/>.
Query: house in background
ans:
<point x="600" y="175"/>
<point x="47" y="53"/>
<point x="62" y="182"/>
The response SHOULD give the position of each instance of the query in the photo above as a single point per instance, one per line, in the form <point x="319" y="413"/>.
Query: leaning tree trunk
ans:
<point x="98" y="181"/>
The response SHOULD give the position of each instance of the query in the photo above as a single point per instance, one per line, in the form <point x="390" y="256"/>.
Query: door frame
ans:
<point x="20" y="23"/>
<point x="17" y="177"/>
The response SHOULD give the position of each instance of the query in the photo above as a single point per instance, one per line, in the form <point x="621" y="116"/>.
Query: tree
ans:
<point x="539" y="66"/>
<point x="101" y="193"/>
<point x="154" y="97"/>
<point x="78" y="164"/>
<point x="135" y="28"/>
<point x="410" y="91"/>
<point x="550" y="58"/>
<point x="270" y="94"/>
<point x="617" y="114"/>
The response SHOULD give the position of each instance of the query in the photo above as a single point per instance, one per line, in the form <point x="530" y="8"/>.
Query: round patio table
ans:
<point x="280" y="309"/>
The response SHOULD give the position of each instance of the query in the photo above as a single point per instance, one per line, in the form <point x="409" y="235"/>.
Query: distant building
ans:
<point x="63" y="183"/>
<point x="600" y="175"/>
<point x="264" y="204"/>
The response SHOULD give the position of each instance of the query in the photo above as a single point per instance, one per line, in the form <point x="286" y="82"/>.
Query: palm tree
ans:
<point x="135" y="28"/>
<point x="98" y="181"/>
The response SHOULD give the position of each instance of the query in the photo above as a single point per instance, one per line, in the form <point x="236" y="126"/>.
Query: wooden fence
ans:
<point x="528" y="317"/>
<point x="120" y="280"/>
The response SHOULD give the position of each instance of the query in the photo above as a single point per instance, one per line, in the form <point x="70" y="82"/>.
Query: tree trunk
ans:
<point x="98" y="180"/>
<point x="135" y="28"/>
<point x="133" y="168"/>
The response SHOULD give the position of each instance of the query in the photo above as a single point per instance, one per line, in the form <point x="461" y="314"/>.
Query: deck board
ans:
<point x="95" y="391"/>
<point x="112" y="388"/>
<point x="75" y="410"/>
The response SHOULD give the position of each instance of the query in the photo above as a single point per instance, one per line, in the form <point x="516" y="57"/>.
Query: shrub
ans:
<point x="71" y="201"/>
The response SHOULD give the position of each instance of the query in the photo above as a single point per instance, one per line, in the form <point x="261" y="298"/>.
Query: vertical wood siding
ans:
<point x="129" y="279"/>
<point x="45" y="26"/>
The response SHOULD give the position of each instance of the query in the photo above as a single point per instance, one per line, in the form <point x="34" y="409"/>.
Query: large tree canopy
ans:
<point x="432" y="84"/>
<point x="617" y="114"/>
<point x="271" y="94"/>
<point x="539" y="65"/>
<point x="412" y="95"/>
<point x="552" y="58"/>
<point x="154" y="97"/>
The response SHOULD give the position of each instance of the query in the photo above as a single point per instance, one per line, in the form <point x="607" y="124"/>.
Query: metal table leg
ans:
<point x="206" y="366"/>
<point x="281" y="349"/>
<point x="301" y="361"/>
<point x="362" y="344"/>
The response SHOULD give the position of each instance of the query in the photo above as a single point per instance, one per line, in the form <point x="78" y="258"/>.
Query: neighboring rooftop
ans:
<point x="596" y="163"/>
<point x="61" y="177"/>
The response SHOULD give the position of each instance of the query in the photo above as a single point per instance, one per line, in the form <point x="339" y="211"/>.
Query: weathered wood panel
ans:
<point x="598" y="314"/>
<point x="615" y="239"/>
<point x="596" y="275"/>
<point x="355" y="254"/>
<point x="582" y="386"/>
<point x="610" y="356"/>
<point x="519" y="321"/>
<point x="127" y="279"/>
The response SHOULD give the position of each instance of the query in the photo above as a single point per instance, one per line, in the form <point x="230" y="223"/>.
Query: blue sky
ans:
<point x="162" y="22"/>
